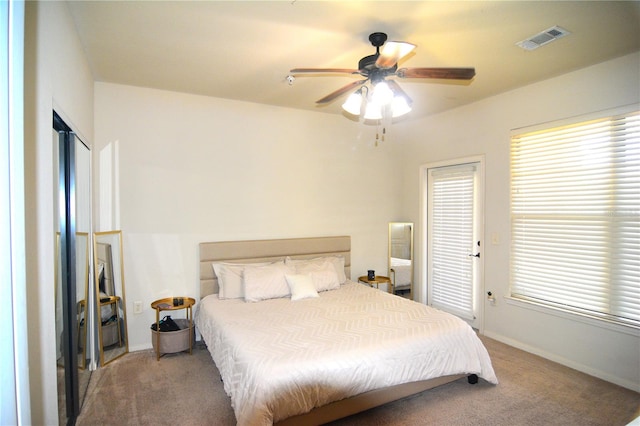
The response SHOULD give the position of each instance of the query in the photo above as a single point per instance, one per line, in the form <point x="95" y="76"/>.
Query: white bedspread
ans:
<point x="280" y="358"/>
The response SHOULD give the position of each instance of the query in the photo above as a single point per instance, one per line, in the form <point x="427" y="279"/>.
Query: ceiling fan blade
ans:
<point x="341" y="91"/>
<point x="397" y="90"/>
<point x="323" y="70"/>
<point x="444" y="73"/>
<point x="392" y="52"/>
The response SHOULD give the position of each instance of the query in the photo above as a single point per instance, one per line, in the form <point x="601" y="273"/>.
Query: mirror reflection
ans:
<point x="109" y="273"/>
<point x="82" y="291"/>
<point x="401" y="258"/>
<point x="59" y="315"/>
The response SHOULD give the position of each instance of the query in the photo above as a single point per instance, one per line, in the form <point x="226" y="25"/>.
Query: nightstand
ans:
<point x="379" y="279"/>
<point x="167" y="304"/>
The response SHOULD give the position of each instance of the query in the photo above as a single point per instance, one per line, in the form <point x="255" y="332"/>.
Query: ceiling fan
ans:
<point x="384" y="64"/>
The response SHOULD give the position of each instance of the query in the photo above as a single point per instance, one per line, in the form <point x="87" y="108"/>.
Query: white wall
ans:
<point x="190" y="169"/>
<point x="57" y="76"/>
<point x="484" y="128"/>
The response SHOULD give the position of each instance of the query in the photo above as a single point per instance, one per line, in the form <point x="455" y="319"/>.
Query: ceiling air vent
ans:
<point x="542" y="38"/>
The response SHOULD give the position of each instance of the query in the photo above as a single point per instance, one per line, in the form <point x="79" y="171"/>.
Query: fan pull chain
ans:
<point x="378" y="137"/>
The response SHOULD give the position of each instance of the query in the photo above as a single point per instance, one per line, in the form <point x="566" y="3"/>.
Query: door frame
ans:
<point x="15" y="401"/>
<point x="422" y="242"/>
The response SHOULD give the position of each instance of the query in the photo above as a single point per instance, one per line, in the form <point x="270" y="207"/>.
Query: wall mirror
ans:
<point x="401" y="258"/>
<point x="110" y="304"/>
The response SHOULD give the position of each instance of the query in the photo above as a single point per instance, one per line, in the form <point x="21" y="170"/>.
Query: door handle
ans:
<point x="475" y="255"/>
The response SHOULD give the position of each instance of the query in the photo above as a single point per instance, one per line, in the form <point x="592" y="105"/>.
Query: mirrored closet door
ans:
<point x="73" y="297"/>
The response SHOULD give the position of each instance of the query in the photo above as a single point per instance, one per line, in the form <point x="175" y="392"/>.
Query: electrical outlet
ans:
<point x="137" y="307"/>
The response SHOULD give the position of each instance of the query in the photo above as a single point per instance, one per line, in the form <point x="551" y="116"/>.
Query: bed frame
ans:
<point x="306" y="248"/>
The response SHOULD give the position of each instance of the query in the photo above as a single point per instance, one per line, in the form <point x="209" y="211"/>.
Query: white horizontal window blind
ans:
<point x="451" y="286"/>
<point x="575" y="217"/>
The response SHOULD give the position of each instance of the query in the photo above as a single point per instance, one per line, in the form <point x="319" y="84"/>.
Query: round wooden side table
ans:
<point x="379" y="279"/>
<point x="173" y="304"/>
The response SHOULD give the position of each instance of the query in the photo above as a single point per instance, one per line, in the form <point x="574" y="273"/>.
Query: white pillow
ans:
<point x="338" y="264"/>
<point x="336" y="261"/>
<point x="230" y="278"/>
<point x="323" y="274"/>
<point x="301" y="287"/>
<point x="266" y="282"/>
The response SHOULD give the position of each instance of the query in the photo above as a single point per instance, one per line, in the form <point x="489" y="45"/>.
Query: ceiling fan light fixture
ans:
<point x="377" y="98"/>
<point x="373" y="111"/>
<point x="400" y="106"/>
<point x="382" y="103"/>
<point x="382" y="94"/>
<point x="353" y="104"/>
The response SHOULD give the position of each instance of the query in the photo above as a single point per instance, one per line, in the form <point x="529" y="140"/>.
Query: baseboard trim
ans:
<point x="145" y="347"/>
<point x="564" y="361"/>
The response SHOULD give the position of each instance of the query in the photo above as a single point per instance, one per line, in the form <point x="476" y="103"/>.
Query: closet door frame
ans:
<point x="67" y="251"/>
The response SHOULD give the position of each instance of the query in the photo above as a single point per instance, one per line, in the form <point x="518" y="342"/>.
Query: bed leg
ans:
<point x="472" y="379"/>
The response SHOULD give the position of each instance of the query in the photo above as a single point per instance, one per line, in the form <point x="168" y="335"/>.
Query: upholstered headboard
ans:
<point x="268" y="250"/>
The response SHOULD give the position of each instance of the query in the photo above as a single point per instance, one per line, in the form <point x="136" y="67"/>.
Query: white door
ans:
<point x="453" y="217"/>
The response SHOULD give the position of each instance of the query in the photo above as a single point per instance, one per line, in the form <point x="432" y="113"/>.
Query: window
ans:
<point x="575" y="217"/>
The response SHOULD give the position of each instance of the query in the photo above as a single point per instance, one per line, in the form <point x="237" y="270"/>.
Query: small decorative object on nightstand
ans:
<point x="376" y="281"/>
<point x="173" y="304"/>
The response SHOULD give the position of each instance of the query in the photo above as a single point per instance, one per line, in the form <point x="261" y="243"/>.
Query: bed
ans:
<point x="321" y="352"/>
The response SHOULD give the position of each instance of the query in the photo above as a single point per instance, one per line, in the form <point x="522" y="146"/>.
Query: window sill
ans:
<point x="574" y="316"/>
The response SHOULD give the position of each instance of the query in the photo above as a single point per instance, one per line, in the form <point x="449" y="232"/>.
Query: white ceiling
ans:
<point x="243" y="50"/>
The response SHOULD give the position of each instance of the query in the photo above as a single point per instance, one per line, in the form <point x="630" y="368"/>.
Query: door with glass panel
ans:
<point x="454" y="239"/>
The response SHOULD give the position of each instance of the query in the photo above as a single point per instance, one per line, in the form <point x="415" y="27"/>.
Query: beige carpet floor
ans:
<point x="186" y="390"/>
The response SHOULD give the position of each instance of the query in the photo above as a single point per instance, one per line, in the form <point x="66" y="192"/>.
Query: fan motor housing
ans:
<point x="377" y="39"/>
<point x="367" y="68"/>
<point x="367" y="65"/>
<point x="368" y="62"/>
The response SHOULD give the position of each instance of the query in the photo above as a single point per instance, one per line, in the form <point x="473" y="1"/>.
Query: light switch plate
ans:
<point x="495" y="238"/>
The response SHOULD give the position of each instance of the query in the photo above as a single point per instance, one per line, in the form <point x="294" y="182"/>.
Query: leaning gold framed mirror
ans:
<point x="401" y="258"/>
<point x="110" y="300"/>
